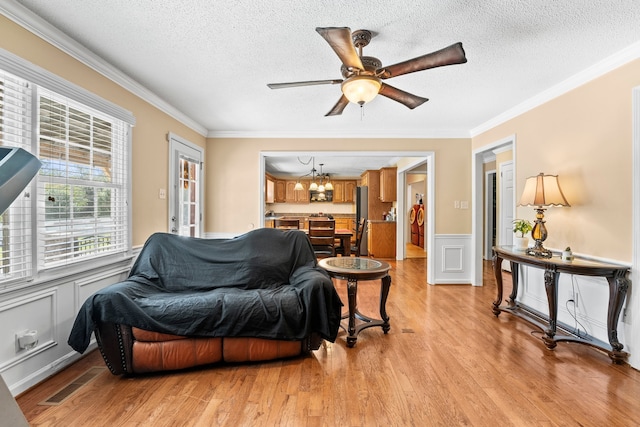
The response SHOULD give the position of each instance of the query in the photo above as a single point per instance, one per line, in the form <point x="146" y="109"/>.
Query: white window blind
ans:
<point x="82" y="186"/>
<point x="15" y="131"/>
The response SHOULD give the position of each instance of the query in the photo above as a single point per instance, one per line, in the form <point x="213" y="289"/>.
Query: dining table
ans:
<point x="344" y="234"/>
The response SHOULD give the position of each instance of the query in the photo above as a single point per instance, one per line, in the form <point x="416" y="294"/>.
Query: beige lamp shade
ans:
<point x="543" y="190"/>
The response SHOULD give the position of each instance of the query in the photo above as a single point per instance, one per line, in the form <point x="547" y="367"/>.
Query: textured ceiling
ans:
<point x="212" y="60"/>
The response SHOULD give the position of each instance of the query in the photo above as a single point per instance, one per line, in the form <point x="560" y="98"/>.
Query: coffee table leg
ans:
<point x="352" y="292"/>
<point x="384" y="293"/>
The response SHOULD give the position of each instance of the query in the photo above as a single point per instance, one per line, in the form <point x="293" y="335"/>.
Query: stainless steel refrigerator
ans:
<point x="362" y="211"/>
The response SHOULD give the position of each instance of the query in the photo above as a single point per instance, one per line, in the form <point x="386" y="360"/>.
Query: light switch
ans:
<point x="456" y="204"/>
<point x="464" y="204"/>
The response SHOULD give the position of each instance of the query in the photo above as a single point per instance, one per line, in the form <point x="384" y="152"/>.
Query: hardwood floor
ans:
<point x="447" y="361"/>
<point x="414" y="251"/>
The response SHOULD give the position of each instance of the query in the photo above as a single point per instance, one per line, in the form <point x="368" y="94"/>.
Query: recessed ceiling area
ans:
<point x="346" y="166"/>
<point x="208" y="62"/>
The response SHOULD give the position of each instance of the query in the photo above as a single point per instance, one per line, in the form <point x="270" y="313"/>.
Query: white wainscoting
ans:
<point x="452" y="254"/>
<point x="50" y="308"/>
<point x="582" y="302"/>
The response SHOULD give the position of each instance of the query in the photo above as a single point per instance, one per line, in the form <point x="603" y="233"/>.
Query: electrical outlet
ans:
<point x="569" y="294"/>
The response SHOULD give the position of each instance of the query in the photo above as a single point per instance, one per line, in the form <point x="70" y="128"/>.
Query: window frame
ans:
<point x="38" y="78"/>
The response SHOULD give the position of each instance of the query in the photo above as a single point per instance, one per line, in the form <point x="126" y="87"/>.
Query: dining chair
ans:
<point x="286" y="224"/>
<point x="355" y="248"/>
<point x="322" y="235"/>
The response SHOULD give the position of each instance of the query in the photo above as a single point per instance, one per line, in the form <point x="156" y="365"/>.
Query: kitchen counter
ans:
<point x="342" y="220"/>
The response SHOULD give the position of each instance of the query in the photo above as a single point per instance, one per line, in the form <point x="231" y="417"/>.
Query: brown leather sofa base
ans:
<point x="128" y="350"/>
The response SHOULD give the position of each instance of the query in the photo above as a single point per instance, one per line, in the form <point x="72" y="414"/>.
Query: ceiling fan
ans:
<point x="363" y="75"/>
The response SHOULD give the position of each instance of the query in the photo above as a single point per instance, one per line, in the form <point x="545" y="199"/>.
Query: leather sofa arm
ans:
<point x="115" y="342"/>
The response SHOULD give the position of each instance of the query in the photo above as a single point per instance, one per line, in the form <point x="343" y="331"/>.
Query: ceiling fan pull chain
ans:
<point x="361" y="111"/>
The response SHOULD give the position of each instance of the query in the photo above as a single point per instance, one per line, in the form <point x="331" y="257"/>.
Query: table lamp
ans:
<point x="541" y="191"/>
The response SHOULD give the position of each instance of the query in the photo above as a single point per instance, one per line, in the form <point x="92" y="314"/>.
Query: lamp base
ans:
<point x="539" y="252"/>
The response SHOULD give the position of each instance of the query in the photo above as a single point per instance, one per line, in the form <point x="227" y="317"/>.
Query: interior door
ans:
<point x="507" y="203"/>
<point x="185" y="188"/>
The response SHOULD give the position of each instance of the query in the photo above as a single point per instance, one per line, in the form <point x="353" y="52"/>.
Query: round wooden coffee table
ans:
<point x="353" y="269"/>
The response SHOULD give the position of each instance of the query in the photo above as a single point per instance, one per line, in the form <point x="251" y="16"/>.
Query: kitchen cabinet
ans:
<point x="381" y="239"/>
<point x="377" y="209"/>
<point x="343" y="191"/>
<point x="346" y="223"/>
<point x="269" y="190"/>
<point x="281" y="191"/>
<point x="350" y="191"/>
<point x="388" y="178"/>
<point x="296" y="196"/>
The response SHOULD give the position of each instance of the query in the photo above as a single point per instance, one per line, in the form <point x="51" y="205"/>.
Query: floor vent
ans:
<point x="408" y="331"/>
<point x="75" y="385"/>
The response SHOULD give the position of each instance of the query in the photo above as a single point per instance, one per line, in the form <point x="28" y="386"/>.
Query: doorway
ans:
<point x="490" y="207"/>
<point x="185" y="187"/>
<point x="412" y="160"/>
<point x="478" y="242"/>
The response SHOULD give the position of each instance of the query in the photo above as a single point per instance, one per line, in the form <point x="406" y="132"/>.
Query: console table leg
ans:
<point x="515" y="280"/>
<point x="551" y="286"/>
<point x="352" y="292"/>
<point x="497" y="271"/>
<point x="384" y="293"/>
<point x="618" y="286"/>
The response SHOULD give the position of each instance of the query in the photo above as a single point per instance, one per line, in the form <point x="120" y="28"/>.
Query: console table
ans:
<point x="616" y="276"/>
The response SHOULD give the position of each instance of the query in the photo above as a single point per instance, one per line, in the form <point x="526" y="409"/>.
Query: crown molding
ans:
<point x="607" y="65"/>
<point x="41" y="28"/>
<point x="341" y="134"/>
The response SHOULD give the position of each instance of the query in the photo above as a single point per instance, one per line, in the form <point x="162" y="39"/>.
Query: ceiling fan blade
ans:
<point x="307" y="83"/>
<point x="450" y="55"/>
<point x="339" y="107"/>
<point x="339" y="38"/>
<point x="405" y="98"/>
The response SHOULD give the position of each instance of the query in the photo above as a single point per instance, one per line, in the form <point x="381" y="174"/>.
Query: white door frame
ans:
<point x="489" y="199"/>
<point x="633" y="304"/>
<point x="476" y="203"/>
<point x="178" y="146"/>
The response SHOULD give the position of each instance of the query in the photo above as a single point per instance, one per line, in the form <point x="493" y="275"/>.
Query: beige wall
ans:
<point x="150" y="147"/>
<point x="585" y="137"/>
<point x="233" y="175"/>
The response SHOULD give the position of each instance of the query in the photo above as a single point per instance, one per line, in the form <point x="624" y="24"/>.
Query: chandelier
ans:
<point x="320" y="187"/>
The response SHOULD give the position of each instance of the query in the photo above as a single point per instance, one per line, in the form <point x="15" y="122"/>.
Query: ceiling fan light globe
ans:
<point x="361" y="89"/>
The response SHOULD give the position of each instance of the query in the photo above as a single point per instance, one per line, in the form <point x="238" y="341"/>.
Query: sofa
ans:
<point x="189" y="302"/>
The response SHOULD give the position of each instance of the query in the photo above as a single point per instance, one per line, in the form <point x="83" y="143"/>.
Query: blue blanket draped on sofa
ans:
<point x="263" y="284"/>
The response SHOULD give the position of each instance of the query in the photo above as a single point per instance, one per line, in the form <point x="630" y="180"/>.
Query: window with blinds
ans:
<point x="76" y="208"/>
<point x="15" y="131"/>
<point x="82" y="197"/>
